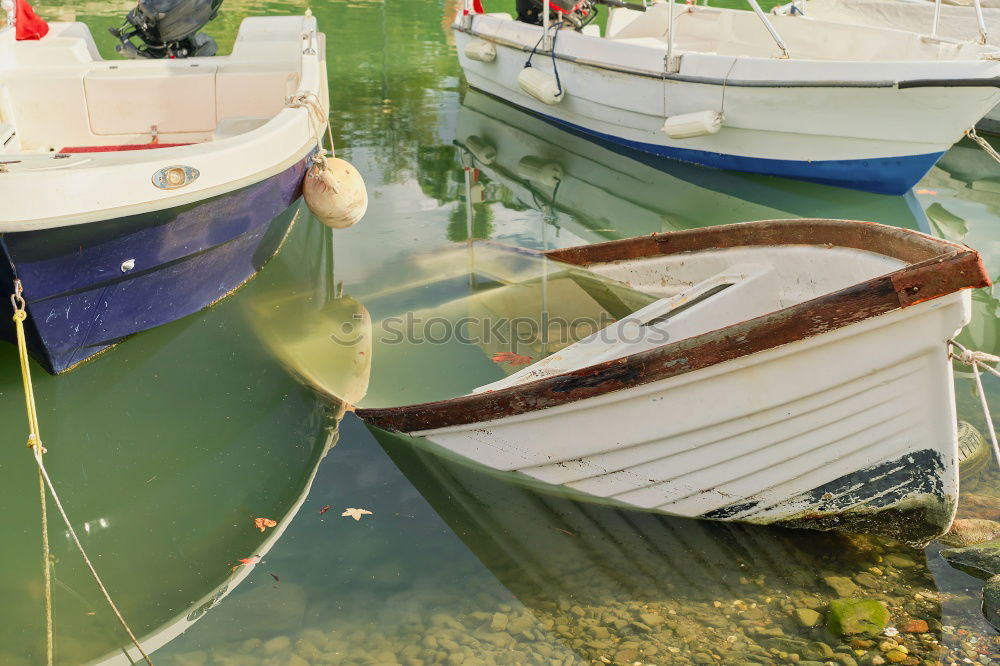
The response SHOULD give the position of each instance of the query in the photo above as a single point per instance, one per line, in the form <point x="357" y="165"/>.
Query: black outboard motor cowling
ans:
<point x="167" y="29"/>
<point x="575" y="12"/>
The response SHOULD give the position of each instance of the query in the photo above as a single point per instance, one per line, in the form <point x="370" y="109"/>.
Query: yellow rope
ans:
<point x="35" y="443"/>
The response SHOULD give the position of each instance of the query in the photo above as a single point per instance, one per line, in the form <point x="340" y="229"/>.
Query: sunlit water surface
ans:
<point x="166" y="449"/>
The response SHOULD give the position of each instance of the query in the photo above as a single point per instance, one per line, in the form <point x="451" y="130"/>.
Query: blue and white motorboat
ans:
<point x="135" y="192"/>
<point x="864" y="107"/>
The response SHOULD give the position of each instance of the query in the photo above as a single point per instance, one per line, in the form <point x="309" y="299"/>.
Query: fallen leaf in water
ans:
<point x="511" y="358"/>
<point x="565" y="531"/>
<point x="253" y="559"/>
<point x="274" y="576"/>
<point x="263" y="523"/>
<point x="356" y="513"/>
<point x="923" y="191"/>
<point x="326" y="507"/>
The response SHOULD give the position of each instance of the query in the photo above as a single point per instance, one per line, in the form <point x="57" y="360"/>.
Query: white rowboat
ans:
<point x="791" y="372"/>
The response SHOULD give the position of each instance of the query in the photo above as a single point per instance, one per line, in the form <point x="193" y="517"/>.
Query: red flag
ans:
<point x="28" y="24"/>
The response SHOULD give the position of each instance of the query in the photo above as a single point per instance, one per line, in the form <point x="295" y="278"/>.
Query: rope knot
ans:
<point x="34" y="440"/>
<point x="970" y="357"/>
<point x="20" y="315"/>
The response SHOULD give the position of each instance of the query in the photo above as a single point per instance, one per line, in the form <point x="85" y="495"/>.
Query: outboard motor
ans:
<point x="167" y="29"/>
<point x="577" y="13"/>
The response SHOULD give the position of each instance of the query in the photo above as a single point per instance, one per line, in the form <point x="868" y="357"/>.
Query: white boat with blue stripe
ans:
<point x="868" y="108"/>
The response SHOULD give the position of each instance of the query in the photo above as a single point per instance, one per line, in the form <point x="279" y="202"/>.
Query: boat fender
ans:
<point x="480" y="50"/>
<point x="540" y="172"/>
<point x="540" y="85"/>
<point x="688" y="125"/>
<point x="335" y="192"/>
<point x="481" y="150"/>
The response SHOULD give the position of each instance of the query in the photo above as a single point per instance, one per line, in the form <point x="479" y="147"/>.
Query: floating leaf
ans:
<point x="356" y="513"/>
<point x="264" y="523"/>
<point x="253" y="559"/>
<point x="565" y="531"/>
<point x="275" y="577"/>
<point x="326" y="507"/>
<point x="511" y="358"/>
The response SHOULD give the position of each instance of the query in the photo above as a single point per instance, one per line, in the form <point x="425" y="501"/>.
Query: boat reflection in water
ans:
<point x="600" y="194"/>
<point x="965" y="186"/>
<point x="163" y="455"/>
<point x="660" y="581"/>
<point x="320" y="335"/>
<point x="327" y="423"/>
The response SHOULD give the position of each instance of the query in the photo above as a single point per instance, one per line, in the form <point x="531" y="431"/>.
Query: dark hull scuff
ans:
<point x="903" y="499"/>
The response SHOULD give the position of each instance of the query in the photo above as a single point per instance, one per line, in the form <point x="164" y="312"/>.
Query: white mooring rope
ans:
<point x="979" y="359"/>
<point x="318" y="120"/>
<point x="985" y="145"/>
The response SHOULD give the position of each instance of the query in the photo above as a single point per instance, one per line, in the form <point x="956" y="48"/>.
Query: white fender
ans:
<point x="481" y="150"/>
<point x="540" y="85"/>
<point x="481" y="50"/>
<point x="540" y="172"/>
<point x="688" y="125"/>
<point x="335" y="193"/>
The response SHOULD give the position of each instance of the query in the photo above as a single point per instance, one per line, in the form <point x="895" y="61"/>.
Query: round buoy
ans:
<point x="335" y="192"/>
<point x="973" y="452"/>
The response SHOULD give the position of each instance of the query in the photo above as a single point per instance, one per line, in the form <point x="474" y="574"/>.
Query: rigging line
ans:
<point x="86" y="559"/>
<point x="38" y="449"/>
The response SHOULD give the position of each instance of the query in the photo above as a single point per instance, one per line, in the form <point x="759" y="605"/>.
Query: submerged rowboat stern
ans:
<point x="912" y="496"/>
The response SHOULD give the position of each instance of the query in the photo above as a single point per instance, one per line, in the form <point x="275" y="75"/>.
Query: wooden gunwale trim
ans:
<point x="936" y="268"/>
<point x="903" y="244"/>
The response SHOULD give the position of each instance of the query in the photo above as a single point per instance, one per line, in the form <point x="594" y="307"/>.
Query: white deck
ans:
<point x="58" y="93"/>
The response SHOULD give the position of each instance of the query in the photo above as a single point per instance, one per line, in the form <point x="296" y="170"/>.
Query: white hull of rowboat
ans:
<point x="800" y="380"/>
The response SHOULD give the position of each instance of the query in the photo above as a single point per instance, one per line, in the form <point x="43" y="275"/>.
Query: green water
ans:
<point x="166" y="449"/>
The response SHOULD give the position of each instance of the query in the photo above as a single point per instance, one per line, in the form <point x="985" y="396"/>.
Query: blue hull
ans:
<point x="887" y="175"/>
<point x="82" y="301"/>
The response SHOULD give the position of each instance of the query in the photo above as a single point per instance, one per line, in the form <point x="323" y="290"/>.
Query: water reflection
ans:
<point x="601" y="194"/>
<point x="163" y="453"/>
<point x="321" y="336"/>
<point x="621" y="586"/>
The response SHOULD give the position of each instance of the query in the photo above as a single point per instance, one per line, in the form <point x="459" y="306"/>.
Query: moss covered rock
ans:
<point x="848" y="617"/>
<point x="982" y="561"/>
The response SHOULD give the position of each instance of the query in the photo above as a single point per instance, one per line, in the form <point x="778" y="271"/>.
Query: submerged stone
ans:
<point x="807" y="617"/>
<point x="842" y="585"/>
<point x="971" y="531"/>
<point x="786" y="644"/>
<point x="900" y="561"/>
<point x="971" y="505"/>
<point x="991" y="601"/>
<point x="981" y="561"/>
<point x="856" y="616"/>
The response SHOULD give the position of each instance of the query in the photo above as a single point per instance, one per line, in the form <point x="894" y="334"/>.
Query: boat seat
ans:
<point x="230" y="127"/>
<point x="653" y="23"/>
<point x="175" y="96"/>
<point x="738" y="293"/>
